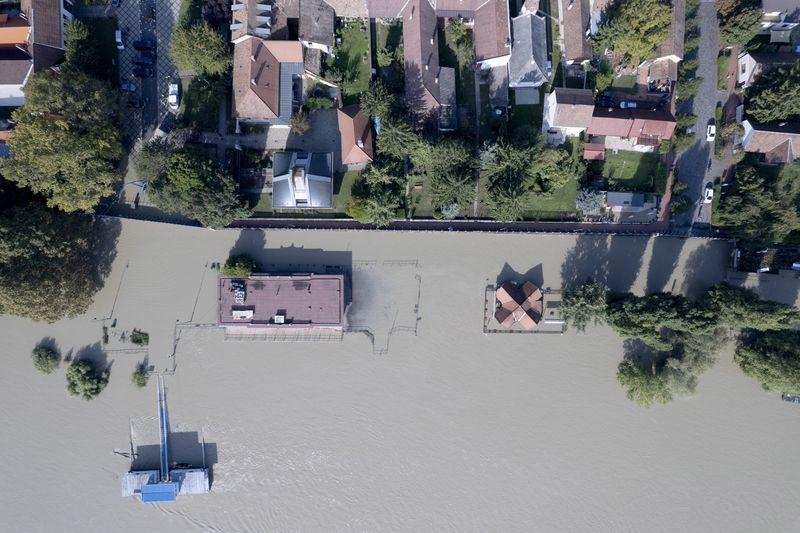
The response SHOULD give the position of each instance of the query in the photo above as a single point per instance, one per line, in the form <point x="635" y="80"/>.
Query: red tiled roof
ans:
<point x="575" y="20"/>
<point x="491" y="33"/>
<point x="354" y="126"/>
<point x="631" y="123"/>
<point x="594" y="152"/>
<point x="521" y="305"/>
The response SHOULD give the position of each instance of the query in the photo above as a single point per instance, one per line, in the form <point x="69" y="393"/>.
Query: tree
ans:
<point x="635" y="28"/>
<point x="772" y="358"/>
<point x="396" y="139"/>
<point x="740" y="20"/>
<point x="453" y="191"/>
<point x="680" y="204"/>
<point x="645" y="386"/>
<point x="378" y="176"/>
<point x="85" y="381"/>
<point x="77" y="54"/>
<point x="51" y="264"/>
<point x="151" y="162"/>
<point x="200" y="49"/>
<point x="196" y="187"/>
<point x="756" y="211"/>
<point x="584" y="304"/>
<point x="507" y="203"/>
<point x="66" y="141"/>
<point x="552" y="168"/>
<point x="378" y="101"/>
<point x="239" y="266"/>
<point x="776" y="95"/>
<point x="378" y="209"/>
<point x="45" y="360"/>
<point x="139" y="377"/>
<point x="688" y="88"/>
<point x="299" y="123"/>
<point x="742" y="308"/>
<point x="589" y="199"/>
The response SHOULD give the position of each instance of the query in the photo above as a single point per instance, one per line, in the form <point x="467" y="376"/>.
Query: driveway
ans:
<point x="693" y="164"/>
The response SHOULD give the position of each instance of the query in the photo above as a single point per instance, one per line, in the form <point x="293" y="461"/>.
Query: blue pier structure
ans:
<point x="165" y="484"/>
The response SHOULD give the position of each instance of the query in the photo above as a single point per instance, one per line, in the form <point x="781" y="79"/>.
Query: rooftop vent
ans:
<point x="280" y="319"/>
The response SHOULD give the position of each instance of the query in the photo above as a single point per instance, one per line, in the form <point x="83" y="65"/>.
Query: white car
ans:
<point x="711" y="133"/>
<point x="708" y="194"/>
<point x="627" y="104"/>
<point x="118" y="38"/>
<point x="173" y="96"/>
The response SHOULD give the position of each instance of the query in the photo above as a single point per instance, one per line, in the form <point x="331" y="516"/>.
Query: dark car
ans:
<point x="144" y="44"/>
<point x="143" y="59"/>
<point x="794" y="398"/>
<point x="143" y="72"/>
<point x="137" y="103"/>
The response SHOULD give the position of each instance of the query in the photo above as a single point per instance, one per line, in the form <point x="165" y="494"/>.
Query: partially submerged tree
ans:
<point x="645" y="386"/>
<point x="139" y="377"/>
<point x="742" y="308"/>
<point x="584" y="304"/>
<point x="239" y="266"/>
<point x="45" y="360"/>
<point x="85" y="381"/>
<point x="201" y="49"/>
<point x="49" y="263"/>
<point x="772" y="358"/>
<point x="66" y="142"/>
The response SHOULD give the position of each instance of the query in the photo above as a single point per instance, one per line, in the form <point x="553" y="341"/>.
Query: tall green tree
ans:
<point x="584" y="304"/>
<point x="776" y="95"/>
<point x="396" y="139"/>
<point x="195" y="186"/>
<point x="66" y="141"/>
<point x="201" y="49"/>
<point x="635" y="28"/>
<point x="85" y="381"/>
<point x="50" y="263"/>
<point x="378" y="101"/>
<point x="742" y="308"/>
<point x="645" y="386"/>
<point x="739" y="20"/>
<point x="772" y="358"/>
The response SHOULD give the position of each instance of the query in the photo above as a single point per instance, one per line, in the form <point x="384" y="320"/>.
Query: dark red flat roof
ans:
<point x="304" y="300"/>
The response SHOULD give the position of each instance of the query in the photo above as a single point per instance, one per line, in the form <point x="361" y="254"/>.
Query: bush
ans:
<point x="45" y="360"/>
<point x="681" y="204"/>
<point x="139" y="376"/>
<point x="140" y="338"/>
<point x="239" y="266"/>
<point x="318" y="102"/>
<point x="590" y="199"/>
<point x="84" y="381"/>
<point x="679" y="186"/>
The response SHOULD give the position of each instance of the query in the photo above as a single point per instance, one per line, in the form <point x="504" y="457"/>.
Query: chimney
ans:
<point x="436" y="79"/>
<point x="431" y="40"/>
<point x="426" y="66"/>
<point x="360" y="143"/>
<point x="253" y="81"/>
<point x="252" y="58"/>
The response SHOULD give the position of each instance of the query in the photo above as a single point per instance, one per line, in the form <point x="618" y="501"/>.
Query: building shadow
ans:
<point x="103" y="249"/>
<point x="186" y="450"/>
<point x="508" y="273"/>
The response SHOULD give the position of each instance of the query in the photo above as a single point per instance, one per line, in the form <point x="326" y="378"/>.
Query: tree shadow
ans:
<point x="508" y="273"/>
<point x="613" y="261"/>
<point x="50" y="343"/>
<point x="663" y="260"/>
<point x="95" y="354"/>
<point x="642" y="354"/>
<point x="702" y="270"/>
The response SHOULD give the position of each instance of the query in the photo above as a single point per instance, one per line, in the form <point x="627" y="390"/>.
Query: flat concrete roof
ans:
<point x="302" y="300"/>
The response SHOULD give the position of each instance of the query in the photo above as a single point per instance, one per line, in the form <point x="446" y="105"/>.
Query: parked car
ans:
<point x="143" y="59"/>
<point x="137" y="103"/>
<point x="173" y="97"/>
<point x="708" y="194"/>
<point x="118" y="38"/>
<point x="605" y="101"/>
<point x="627" y="104"/>
<point x="794" y="398"/>
<point x="144" y="44"/>
<point x="711" y="133"/>
<point x="128" y="87"/>
<point x="143" y="72"/>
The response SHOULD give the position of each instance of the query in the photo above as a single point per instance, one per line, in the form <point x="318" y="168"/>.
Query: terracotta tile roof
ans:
<point x="631" y="123"/>
<point x="779" y="144"/>
<point x="673" y="45"/>
<point x="522" y="305"/>
<point x="248" y="19"/>
<point x="13" y="30"/>
<point x="492" y="31"/>
<point x="258" y="91"/>
<point x="574" y="108"/>
<point x="575" y="20"/>
<point x="594" y="152"/>
<point x="354" y="126"/>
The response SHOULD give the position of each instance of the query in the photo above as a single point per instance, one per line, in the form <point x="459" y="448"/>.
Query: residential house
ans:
<point x="316" y="25"/>
<point x="528" y="68"/>
<point x="16" y="65"/>
<point x="781" y="10"/>
<point x="573" y="21"/>
<point x="250" y="17"/>
<point x="753" y="64"/>
<point x="662" y="70"/>
<point x="430" y="88"/>
<point x="594" y="152"/>
<point x="267" y="80"/>
<point x="640" y="130"/>
<point x="47" y="19"/>
<point x="779" y="142"/>
<point x="302" y="180"/>
<point x="567" y="113"/>
<point x="355" y="137"/>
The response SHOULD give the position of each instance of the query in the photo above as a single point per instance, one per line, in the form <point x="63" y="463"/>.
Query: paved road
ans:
<point x="693" y="164"/>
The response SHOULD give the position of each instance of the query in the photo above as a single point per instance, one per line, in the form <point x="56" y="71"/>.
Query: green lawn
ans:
<point x="722" y="67"/>
<point x="632" y="171"/>
<point x="552" y="207"/>
<point x="103" y="41"/>
<point x="465" y="78"/>
<point x="352" y="58"/>
<point x="624" y="83"/>
<point x="343" y="189"/>
<point x="200" y="104"/>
